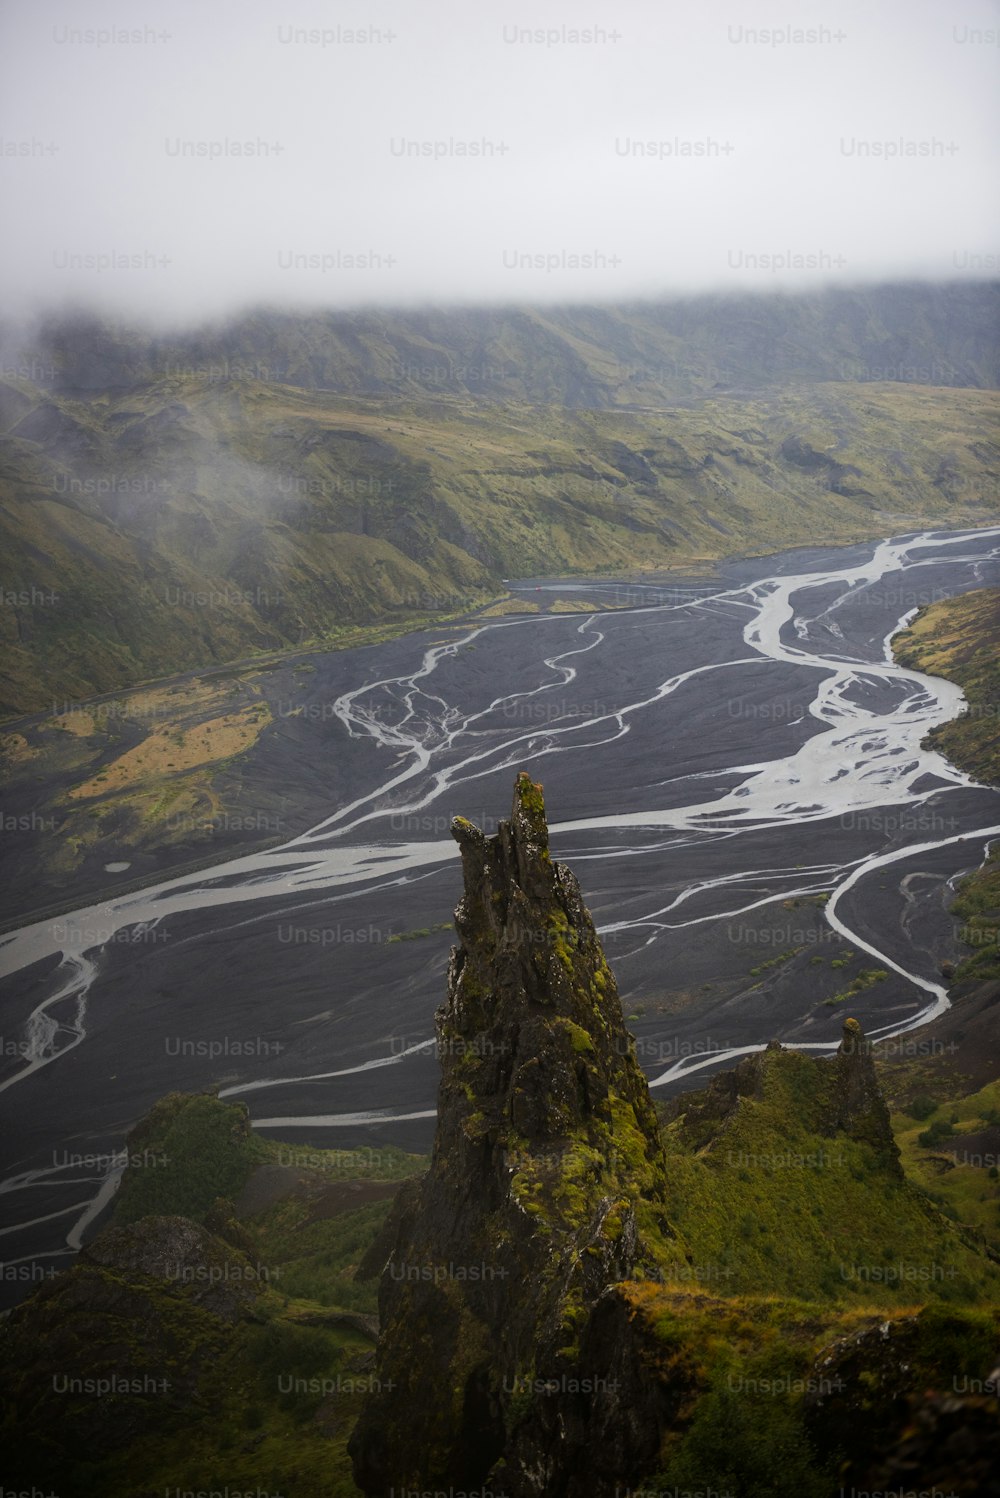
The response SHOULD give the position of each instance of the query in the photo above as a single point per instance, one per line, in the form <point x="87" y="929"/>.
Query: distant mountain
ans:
<point x="638" y="354"/>
<point x="174" y="502"/>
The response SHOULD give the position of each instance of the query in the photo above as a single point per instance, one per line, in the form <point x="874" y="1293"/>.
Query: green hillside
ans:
<point x="195" y="521"/>
<point x="960" y="638"/>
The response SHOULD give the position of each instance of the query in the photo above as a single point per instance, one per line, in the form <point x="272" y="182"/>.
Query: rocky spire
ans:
<point x="547" y="1184"/>
<point x="859" y="1108"/>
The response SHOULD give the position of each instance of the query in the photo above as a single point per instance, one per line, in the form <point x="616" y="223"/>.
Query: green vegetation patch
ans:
<point x="959" y="638"/>
<point x="952" y="1151"/>
<point x="187" y="1152"/>
<point x="768" y="1414"/>
<point x="769" y="1199"/>
<point x="977" y="907"/>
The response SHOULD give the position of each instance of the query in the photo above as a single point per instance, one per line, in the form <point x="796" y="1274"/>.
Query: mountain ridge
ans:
<point x="575" y="355"/>
<point x="179" y="499"/>
<point x="190" y="522"/>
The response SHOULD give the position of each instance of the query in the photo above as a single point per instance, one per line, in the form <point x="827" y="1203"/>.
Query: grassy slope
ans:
<point x="978" y="908"/>
<point x="959" y="638"/>
<point x="249" y="518"/>
<point x="776" y="1205"/>
<point x="961" y="1180"/>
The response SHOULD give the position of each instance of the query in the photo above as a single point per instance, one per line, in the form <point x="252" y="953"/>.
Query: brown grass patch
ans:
<point x="172" y="750"/>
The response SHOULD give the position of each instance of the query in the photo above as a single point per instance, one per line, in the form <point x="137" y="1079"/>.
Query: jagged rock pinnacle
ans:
<point x="547" y="1182"/>
<point x="859" y="1107"/>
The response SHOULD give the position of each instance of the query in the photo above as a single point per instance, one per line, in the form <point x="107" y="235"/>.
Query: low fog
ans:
<point x="176" y="162"/>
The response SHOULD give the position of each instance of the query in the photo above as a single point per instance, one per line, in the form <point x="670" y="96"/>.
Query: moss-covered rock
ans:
<point x="547" y="1184"/>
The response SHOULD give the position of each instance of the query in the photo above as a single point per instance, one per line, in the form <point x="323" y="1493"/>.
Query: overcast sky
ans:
<point x="183" y="158"/>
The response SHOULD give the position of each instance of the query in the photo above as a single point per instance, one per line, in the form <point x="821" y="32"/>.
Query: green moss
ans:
<point x="530" y="796"/>
<point x="612" y="1227"/>
<point x="579" y="1039"/>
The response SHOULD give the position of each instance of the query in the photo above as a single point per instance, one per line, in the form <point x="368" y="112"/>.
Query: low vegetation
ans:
<point x="259" y="518"/>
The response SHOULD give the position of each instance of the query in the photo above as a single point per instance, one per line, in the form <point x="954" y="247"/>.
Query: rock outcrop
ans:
<point x="547" y="1186"/>
<point x="839" y="1098"/>
<point x="546" y="1325"/>
<point x="859" y="1108"/>
<point x="122" y="1344"/>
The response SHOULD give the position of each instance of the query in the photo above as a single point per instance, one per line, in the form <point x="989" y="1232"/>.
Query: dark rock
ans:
<point x="546" y="1187"/>
<point x="892" y="1434"/>
<point x="121" y="1345"/>
<point x="949" y="1441"/>
<point x="803" y="455"/>
<point x="181" y="1253"/>
<point x="859" y="1108"/>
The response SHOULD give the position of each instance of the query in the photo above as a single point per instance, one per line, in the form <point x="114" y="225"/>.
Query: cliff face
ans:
<point x="547" y="1185"/>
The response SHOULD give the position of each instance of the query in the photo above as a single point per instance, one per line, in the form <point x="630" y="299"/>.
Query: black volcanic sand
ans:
<point x="300" y="767"/>
<point x="311" y="982"/>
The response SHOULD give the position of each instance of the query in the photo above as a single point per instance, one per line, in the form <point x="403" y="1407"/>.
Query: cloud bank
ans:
<point x="175" y="161"/>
